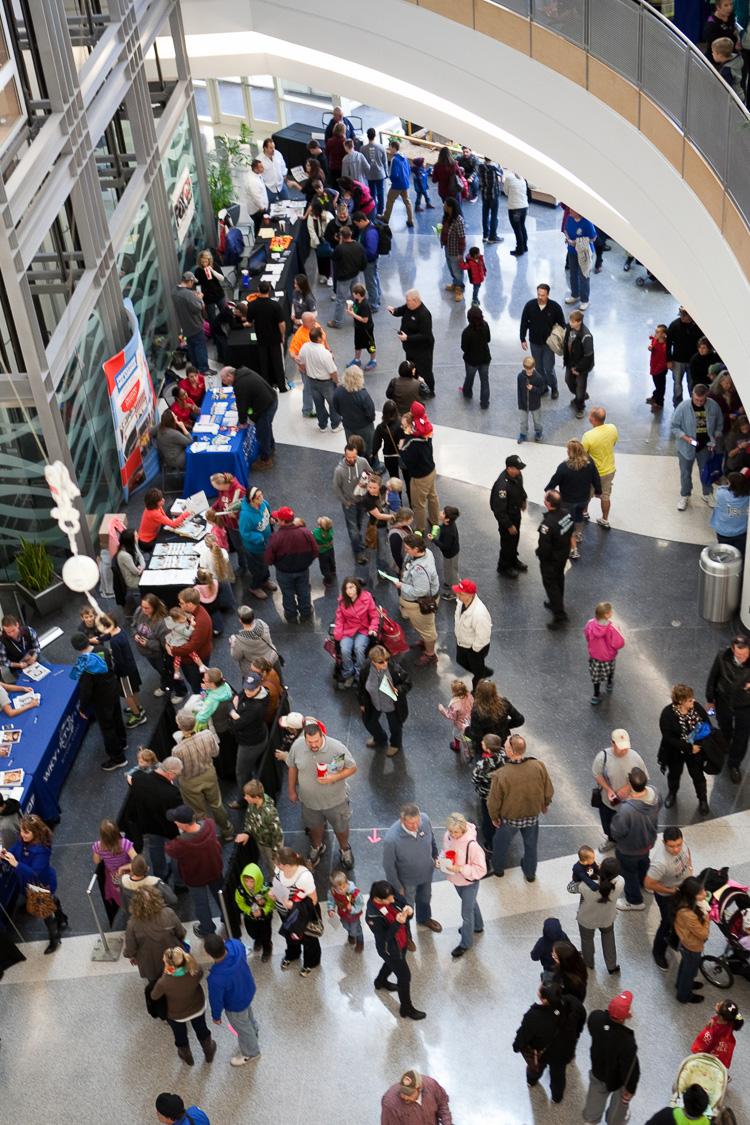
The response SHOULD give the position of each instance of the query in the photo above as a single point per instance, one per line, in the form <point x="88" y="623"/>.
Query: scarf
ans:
<point x="389" y="912"/>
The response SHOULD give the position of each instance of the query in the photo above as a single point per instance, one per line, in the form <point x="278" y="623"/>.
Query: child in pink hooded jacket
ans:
<point x="463" y="861"/>
<point x="604" y="640"/>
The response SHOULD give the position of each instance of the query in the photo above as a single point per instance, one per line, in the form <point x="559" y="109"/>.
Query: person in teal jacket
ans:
<point x="255" y="530"/>
<point x="217" y="691"/>
<point x="252" y="898"/>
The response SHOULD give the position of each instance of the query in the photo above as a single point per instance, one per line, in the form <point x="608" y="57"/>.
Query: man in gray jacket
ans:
<point x="252" y="641"/>
<point x="345" y="480"/>
<point x="634" y="830"/>
<point x="697" y="424"/>
<point x="409" y="854"/>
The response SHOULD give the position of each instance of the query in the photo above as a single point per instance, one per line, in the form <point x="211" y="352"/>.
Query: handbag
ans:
<point x="596" y="793"/>
<point x="713" y="468"/>
<point x="391" y="635"/>
<point x="40" y="902"/>
<point x="427" y="604"/>
<point x="556" y="339"/>
<point x="324" y="249"/>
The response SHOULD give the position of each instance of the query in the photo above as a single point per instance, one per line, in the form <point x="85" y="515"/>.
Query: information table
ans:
<point x="223" y="449"/>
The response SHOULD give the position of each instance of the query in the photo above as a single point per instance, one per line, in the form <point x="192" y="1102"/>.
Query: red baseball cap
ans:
<point x="286" y="515"/>
<point x="465" y="586"/>
<point x="619" y="1008"/>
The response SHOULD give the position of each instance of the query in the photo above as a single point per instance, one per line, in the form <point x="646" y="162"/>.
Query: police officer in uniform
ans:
<point x="508" y="500"/>
<point x="555" y="532"/>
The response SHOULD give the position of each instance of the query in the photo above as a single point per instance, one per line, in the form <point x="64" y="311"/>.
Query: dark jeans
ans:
<point x="660" y="386"/>
<point x="483" y="370"/>
<point x="112" y="729"/>
<point x="503" y="836"/>
<point x="606" y="816"/>
<point x="634" y="868"/>
<point x="508" y="549"/>
<point x="264" y="431"/>
<point x="375" y="727"/>
<point x="423" y="363"/>
<point x="517" y="217"/>
<point x="553" y="580"/>
<point x="259" y="572"/>
<point x="354" y="515"/>
<point x="378" y="194"/>
<point x="202" y="904"/>
<point x="488" y="828"/>
<point x="180" y="1032"/>
<point x="163" y="665"/>
<point x="236" y="544"/>
<point x="192" y="674"/>
<point x="489" y="217"/>
<point x="735" y="726"/>
<point x="665" y="934"/>
<point x="322" y="395"/>
<point x="694" y="763"/>
<point x="689" y="966"/>
<point x="327" y="564"/>
<point x="310" y="946"/>
<point x="544" y="358"/>
<point x="556" y="1077"/>
<point x="576" y="383"/>
<point x="197" y="350"/>
<point x="473" y="662"/>
<point x="396" y="965"/>
<point x="738" y="541"/>
<point x="295" y="592"/>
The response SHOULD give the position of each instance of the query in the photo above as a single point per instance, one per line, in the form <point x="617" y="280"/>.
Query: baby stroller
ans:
<point x="710" y="1073"/>
<point x="390" y="635"/>
<point x="729" y="901"/>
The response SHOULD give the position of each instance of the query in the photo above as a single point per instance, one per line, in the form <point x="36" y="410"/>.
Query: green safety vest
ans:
<point x="681" y="1118"/>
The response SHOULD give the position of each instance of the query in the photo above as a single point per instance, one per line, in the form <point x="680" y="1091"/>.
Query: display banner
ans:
<point x="131" y="395"/>
<point x="183" y="204"/>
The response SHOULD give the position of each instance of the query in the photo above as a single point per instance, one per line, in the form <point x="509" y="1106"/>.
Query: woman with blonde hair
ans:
<point x="180" y="983"/>
<point x="577" y="480"/>
<point x="492" y="713"/>
<point x="357" y="410"/>
<point x="464" y="866"/>
<point x="211" y="281"/>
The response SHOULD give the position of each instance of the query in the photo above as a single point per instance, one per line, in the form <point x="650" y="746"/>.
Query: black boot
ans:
<point x="53" y="932"/>
<point x="60" y="917"/>
<point x="407" y="1010"/>
<point x="381" y="980"/>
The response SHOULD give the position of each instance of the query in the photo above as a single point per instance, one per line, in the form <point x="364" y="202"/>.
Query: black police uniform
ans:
<point x="506" y="500"/>
<point x="555" y="531"/>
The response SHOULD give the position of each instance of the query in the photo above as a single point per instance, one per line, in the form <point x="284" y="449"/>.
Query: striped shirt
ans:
<point x="196" y="753"/>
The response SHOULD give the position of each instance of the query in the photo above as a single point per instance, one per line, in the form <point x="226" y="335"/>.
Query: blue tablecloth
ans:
<point x="199" y="467"/>
<point x="46" y="750"/>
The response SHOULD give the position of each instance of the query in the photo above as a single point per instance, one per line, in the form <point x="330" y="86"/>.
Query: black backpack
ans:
<point x="385" y="237"/>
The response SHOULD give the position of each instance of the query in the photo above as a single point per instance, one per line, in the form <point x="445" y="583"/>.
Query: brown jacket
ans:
<point x="185" y="997"/>
<point x="692" y="930"/>
<point x="519" y="789"/>
<point x="147" y="939"/>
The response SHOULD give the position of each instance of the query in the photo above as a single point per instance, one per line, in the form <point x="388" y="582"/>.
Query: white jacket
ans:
<point x="473" y="626"/>
<point x="256" y="193"/>
<point x="516" y="187"/>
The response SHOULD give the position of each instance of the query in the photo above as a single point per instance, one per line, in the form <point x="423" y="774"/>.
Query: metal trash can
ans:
<point x="720" y="582"/>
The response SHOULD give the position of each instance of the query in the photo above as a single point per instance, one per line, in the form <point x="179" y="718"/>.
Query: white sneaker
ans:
<point x="684" y="501"/>
<point x="333" y="295"/>
<point x="709" y="500"/>
<point x="607" y="845"/>
<point x="623" y="904"/>
<point x="159" y="693"/>
<point x="337" y="429"/>
<point x="322" y="280"/>
<point x="603" y="523"/>
<point x="329" y="282"/>
<point x="240" y="1060"/>
<point x="583" y="305"/>
<point x="572" y="300"/>
<point x="574" y="553"/>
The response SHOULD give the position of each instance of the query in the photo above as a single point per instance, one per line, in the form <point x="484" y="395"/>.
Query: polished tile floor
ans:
<point x="647" y="566"/>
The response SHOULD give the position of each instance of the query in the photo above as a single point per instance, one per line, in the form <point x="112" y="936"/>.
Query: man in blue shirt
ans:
<point x="338" y="115"/>
<point x="576" y="227"/>
<point x="400" y="177"/>
<point x="170" y="1110"/>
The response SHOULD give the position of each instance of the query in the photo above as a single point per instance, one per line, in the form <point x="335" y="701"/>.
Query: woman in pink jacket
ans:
<point x="462" y="859"/>
<point x="604" y="640"/>
<point x="356" y="620"/>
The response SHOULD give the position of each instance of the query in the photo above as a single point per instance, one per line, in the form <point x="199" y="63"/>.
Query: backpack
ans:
<point x="461" y="185"/>
<point x="235" y="247"/>
<point x="385" y="237"/>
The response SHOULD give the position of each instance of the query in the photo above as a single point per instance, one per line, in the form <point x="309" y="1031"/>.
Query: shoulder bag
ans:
<point x="555" y="339"/>
<point x="596" y="793"/>
<point x="40" y="901"/>
<point x="428" y="602"/>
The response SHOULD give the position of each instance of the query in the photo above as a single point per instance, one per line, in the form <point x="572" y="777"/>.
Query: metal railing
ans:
<point x="638" y="43"/>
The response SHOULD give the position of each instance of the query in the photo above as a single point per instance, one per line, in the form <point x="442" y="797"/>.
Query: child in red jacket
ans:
<point x="477" y="271"/>
<point x="717" y="1037"/>
<point x="658" y="365"/>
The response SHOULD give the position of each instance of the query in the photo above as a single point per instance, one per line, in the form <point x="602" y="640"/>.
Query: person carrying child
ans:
<point x="477" y="271"/>
<point x="446" y="540"/>
<point x="604" y="641"/>
<point x="598" y="908"/>
<point x="180" y="630"/>
<point x="458" y="711"/>
<point x="421" y="177"/>
<point x="493" y="757"/>
<point x="257" y="908"/>
<point x="531" y="386"/>
<point x="586" y="869"/>
<point x="658" y="367"/>
<point x="394" y="486"/>
<point x="347" y="900"/>
<point x="364" y="327"/>
<point x="323" y="536"/>
<point x="717" y="1037"/>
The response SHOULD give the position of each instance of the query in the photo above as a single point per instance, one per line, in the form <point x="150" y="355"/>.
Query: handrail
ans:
<point x="637" y="42"/>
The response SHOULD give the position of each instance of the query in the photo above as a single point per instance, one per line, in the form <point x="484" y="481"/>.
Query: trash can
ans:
<point x="720" y="582"/>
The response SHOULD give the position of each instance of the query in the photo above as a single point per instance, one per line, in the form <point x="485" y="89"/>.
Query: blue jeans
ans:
<point x="471" y="915"/>
<point x="246" y="1026"/>
<point x="307" y="402"/>
<point x="686" y="471"/>
<point x="353" y="651"/>
<point x="295" y="592"/>
<point x="475" y="292"/>
<point x="517" y="217"/>
<point x="689" y="966"/>
<point x="664" y="935"/>
<point x="354" y="514"/>
<point x="418" y="896"/>
<point x="202" y="905"/>
<point x="258" y="568"/>
<point x="544" y="359"/>
<point x="454" y="269"/>
<point x="160" y="865"/>
<point x="484" y="382"/>
<point x="198" y="350"/>
<point x="524" y="422"/>
<point x="489" y="217"/>
<point x="503" y="836"/>
<point x="343" y="293"/>
<point x="634" y="868"/>
<point x="372" y="282"/>
<point x="264" y="431"/>
<point x="579" y="285"/>
<point x="322" y="396"/>
<point x="420" y="195"/>
<point x="353" y="928"/>
<point x="377" y="191"/>
<point x="488" y="828"/>
<point x="275" y="196"/>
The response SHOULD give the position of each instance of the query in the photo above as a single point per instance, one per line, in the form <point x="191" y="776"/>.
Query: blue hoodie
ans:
<point x="255" y="526"/>
<point x="231" y="987"/>
<point x="400" y="172"/>
<point x="552" y="932"/>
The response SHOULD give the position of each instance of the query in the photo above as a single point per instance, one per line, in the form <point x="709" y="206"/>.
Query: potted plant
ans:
<point x="38" y="584"/>
<point x="230" y="153"/>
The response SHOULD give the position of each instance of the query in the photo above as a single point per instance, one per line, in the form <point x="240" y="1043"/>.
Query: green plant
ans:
<point x="35" y="567"/>
<point x="227" y="155"/>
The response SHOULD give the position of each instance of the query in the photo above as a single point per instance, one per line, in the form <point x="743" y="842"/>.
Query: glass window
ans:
<point x="178" y="164"/>
<point x="141" y="281"/>
<point x="54" y="272"/>
<point x="10" y="109"/>
<point x="25" y="499"/>
<point x="230" y="97"/>
<point x="11" y="356"/>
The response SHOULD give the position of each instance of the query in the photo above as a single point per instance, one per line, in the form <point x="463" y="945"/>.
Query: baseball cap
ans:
<point x="295" y="720"/>
<point x="183" y="813"/>
<point x="514" y="462"/>
<point x="410" y="1081"/>
<point x="621" y="739"/>
<point x="465" y="586"/>
<point x="80" y="642"/>
<point x="619" y="1008"/>
<point x="253" y="681"/>
<point x="170" y="1105"/>
<point x="286" y="515"/>
<point x="189" y="276"/>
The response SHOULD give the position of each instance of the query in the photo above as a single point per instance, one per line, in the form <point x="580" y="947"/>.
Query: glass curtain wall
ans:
<point x="179" y="159"/>
<point x="141" y="281"/>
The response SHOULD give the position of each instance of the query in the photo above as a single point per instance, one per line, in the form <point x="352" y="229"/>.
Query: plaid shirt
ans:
<point x="489" y="182"/>
<point x="263" y="823"/>
<point x="455" y="240"/>
<point x="522" y="822"/>
<point x="196" y="753"/>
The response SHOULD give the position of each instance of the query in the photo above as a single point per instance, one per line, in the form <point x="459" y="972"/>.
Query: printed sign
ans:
<point x="183" y="204"/>
<point x="131" y="395"/>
